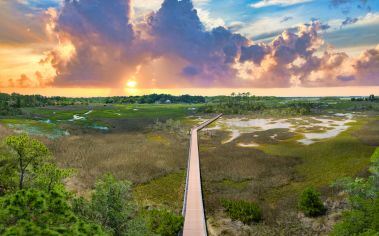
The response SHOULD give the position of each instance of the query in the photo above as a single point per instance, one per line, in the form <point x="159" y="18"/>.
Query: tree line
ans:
<point x="245" y="103"/>
<point x="10" y="104"/>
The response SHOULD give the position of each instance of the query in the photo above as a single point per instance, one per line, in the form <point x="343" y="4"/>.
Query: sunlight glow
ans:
<point x="131" y="84"/>
<point x="66" y="50"/>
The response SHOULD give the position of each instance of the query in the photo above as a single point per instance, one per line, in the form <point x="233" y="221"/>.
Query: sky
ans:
<point x="200" y="47"/>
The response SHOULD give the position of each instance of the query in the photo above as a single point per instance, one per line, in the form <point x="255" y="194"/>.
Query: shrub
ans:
<point x="310" y="203"/>
<point x="247" y="212"/>
<point x="164" y="223"/>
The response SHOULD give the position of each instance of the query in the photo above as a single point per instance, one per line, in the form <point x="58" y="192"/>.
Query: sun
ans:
<point x="131" y="84"/>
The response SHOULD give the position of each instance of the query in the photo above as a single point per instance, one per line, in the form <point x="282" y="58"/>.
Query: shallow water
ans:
<point x="77" y="117"/>
<point x="327" y="126"/>
<point x="100" y="127"/>
<point x="248" y="145"/>
<point x="88" y="112"/>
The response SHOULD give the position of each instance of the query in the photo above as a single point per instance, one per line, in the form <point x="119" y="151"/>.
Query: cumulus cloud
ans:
<point x="276" y="63"/>
<point x="97" y="44"/>
<point x="177" y="29"/>
<point x="291" y="60"/>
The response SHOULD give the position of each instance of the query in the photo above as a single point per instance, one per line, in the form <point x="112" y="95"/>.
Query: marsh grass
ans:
<point x="130" y="156"/>
<point x="233" y="172"/>
<point x="369" y="134"/>
<point x="163" y="192"/>
<point x="272" y="136"/>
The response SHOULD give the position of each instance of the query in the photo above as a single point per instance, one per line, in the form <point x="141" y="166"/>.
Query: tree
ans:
<point x="111" y="205"/>
<point x="371" y="98"/>
<point x="29" y="153"/>
<point x="34" y="212"/>
<point x="310" y="203"/>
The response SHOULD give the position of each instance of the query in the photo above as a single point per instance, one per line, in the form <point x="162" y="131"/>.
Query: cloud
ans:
<point x="208" y="21"/>
<point x="287" y="18"/>
<point x="267" y="3"/>
<point x="100" y="46"/>
<point x="368" y="19"/>
<point x="291" y="60"/>
<point x="367" y="67"/>
<point x="21" y="24"/>
<point x="349" y="21"/>
<point x="24" y="81"/>
<point x="276" y="63"/>
<point x="177" y="29"/>
<point x="97" y="44"/>
<point x="347" y="5"/>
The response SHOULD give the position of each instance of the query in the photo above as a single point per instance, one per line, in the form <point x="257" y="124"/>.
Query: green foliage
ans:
<point x="360" y="221"/>
<point x="310" y="203"/>
<point x="246" y="212"/>
<point x="49" y="176"/>
<point x="363" y="218"/>
<point x="34" y="212"/>
<point x="111" y="205"/>
<point x="164" y="223"/>
<point x="30" y="160"/>
<point x="30" y="154"/>
<point x="8" y="174"/>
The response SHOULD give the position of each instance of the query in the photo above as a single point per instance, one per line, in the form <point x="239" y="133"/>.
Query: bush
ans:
<point x="247" y="212"/>
<point x="164" y="223"/>
<point x="310" y="203"/>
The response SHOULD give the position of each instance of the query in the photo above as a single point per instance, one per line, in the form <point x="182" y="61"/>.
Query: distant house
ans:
<point x="168" y="101"/>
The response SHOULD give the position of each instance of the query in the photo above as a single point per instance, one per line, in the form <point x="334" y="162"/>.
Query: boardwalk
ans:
<point x="193" y="209"/>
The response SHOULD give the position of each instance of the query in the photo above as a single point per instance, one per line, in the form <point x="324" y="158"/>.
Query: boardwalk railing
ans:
<point x="193" y="208"/>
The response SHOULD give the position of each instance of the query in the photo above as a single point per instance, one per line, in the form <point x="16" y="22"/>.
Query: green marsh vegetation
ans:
<point x="147" y="144"/>
<point x="246" y="212"/>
